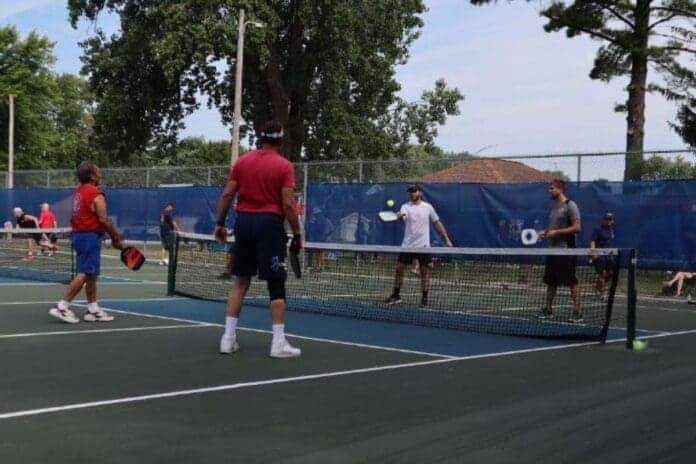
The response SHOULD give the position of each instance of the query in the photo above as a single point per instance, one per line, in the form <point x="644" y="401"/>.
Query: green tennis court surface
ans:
<point x="151" y="387"/>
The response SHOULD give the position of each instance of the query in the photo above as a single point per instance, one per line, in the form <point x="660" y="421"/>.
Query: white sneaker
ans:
<point x="64" y="315"/>
<point x="283" y="349"/>
<point x="98" y="316"/>
<point x="161" y="262"/>
<point x="228" y="345"/>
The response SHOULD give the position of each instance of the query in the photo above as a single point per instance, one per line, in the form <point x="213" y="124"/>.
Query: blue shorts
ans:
<point x="87" y="247"/>
<point x="259" y="246"/>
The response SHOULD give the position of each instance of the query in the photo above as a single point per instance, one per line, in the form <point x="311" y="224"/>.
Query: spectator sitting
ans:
<point x="679" y="279"/>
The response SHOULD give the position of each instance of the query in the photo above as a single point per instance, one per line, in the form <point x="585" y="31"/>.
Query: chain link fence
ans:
<point x="509" y="168"/>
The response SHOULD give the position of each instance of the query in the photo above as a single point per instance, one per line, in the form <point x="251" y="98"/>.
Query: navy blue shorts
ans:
<point x="259" y="246"/>
<point x="87" y="247"/>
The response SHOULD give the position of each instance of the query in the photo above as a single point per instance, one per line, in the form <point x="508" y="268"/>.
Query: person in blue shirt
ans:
<point x="167" y="228"/>
<point x="603" y="237"/>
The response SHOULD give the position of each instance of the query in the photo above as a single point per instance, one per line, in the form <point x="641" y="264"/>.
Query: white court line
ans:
<point x="54" y="284"/>
<point x="122" y="329"/>
<point x="235" y="386"/>
<point x="301" y="337"/>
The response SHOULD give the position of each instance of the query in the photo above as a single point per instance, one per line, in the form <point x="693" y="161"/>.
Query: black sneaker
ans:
<point x="392" y="300"/>
<point x="543" y="314"/>
<point x="576" y="318"/>
<point x="424" y="303"/>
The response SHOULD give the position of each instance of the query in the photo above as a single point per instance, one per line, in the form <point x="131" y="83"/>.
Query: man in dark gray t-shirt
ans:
<point x="564" y="224"/>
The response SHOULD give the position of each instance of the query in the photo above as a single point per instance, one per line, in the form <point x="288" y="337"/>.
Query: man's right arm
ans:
<point x="99" y="205"/>
<point x="223" y="208"/>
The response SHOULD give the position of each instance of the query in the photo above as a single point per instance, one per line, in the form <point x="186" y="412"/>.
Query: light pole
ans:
<point x="10" y="147"/>
<point x="239" y="65"/>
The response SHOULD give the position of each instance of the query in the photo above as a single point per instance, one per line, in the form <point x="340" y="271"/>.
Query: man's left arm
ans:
<point x="440" y="227"/>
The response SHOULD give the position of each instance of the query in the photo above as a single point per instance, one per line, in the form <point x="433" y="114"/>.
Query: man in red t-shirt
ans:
<point x="264" y="183"/>
<point x="47" y="220"/>
<point x="89" y="223"/>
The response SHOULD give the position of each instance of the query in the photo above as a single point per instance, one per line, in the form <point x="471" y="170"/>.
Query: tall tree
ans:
<point x="324" y="68"/>
<point x="636" y="34"/>
<point x="52" y="112"/>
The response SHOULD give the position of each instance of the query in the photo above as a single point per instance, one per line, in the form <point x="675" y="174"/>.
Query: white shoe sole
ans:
<point x="232" y="348"/>
<point x="281" y="354"/>
<point x="89" y="318"/>
<point x="57" y="314"/>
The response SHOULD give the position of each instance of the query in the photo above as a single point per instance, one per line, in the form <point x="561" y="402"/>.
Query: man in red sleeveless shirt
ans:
<point x="264" y="183"/>
<point x="89" y="223"/>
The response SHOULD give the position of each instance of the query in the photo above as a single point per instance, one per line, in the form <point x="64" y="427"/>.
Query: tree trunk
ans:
<point x="635" y="131"/>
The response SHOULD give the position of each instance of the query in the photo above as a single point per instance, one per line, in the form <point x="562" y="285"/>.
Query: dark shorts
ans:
<point x="603" y="263"/>
<point x="87" y="247"/>
<point x="167" y="239"/>
<point x="260" y="245"/>
<point x="560" y="271"/>
<point x="423" y="259"/>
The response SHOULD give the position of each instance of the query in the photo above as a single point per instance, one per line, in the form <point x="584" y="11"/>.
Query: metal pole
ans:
<point x="48" y="178"/>
<point x="209" y="175"/>
<point x="579" y="168"/>
<point x="147" y="177"/>
<point x="10" y="148"/>
<point x="360" y="171"/>
<point x="305" y="177"/>
<point x="238" y="89"/>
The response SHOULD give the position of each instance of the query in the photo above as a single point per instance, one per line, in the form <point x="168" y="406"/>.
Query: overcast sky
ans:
<point x="527" y="92"/>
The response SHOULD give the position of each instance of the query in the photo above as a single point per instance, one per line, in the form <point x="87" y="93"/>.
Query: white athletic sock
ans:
<point x="278" y="332"/>
<point x="93" y="307"/>
<point x="231" y="326"/>
<point x="63" y="305"/>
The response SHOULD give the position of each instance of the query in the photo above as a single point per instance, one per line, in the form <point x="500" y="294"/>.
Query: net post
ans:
<point x="173" y="245"/>
<point x="611" y="296"/>
<point x="632" y="297"/>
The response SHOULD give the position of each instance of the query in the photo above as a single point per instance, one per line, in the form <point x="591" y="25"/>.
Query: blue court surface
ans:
<point x="435" y="341"/>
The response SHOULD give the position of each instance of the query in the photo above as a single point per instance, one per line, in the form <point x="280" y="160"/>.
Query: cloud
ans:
<point x="10" y="8"/>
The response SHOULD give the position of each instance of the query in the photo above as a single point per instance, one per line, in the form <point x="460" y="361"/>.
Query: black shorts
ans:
<point x="423" y="259"/>
<point x="603" y="263"/>
<point x="560" y="271"/>
<point x="260" y="245"/>
<point x="167" y="240"/>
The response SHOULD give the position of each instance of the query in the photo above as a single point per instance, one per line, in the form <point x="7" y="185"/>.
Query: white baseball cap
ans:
<point x="17" y="210"/>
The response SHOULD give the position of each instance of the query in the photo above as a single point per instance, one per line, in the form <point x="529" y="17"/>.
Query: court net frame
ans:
<point x="46" y="264"/>
<point x="305" y="295"/>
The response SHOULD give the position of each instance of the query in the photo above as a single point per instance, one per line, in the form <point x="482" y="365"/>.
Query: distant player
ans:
<point x="168" y="226"/>
<point x="27" y="221"/>
<point x="47" y="220"/>
<point x="564" y="224"/>
<point x="264" y="183"/>
<point x="90" y="221"/>
<point x="603" y="237"/>
<point x="417" y="215"/>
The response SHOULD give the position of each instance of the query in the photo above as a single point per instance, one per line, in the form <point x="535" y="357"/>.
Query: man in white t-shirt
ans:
<point x="417" y="215"/>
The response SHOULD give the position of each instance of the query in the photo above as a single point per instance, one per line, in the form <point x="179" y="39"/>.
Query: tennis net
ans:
<point x="499" y="291"/>
<point x="42" y="255"/>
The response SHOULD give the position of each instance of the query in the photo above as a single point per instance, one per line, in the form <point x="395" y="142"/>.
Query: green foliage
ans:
<point x="324" y="68"/>
<point x="658" y="167"/>
<point x="52" y="112"/>
<point x="687" y="122"/>
<point x="636" y="35"/>
<point x="193" y="151"/>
